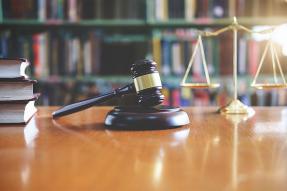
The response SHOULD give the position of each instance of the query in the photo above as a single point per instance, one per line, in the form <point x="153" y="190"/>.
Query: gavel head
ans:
<point x="147" y="83"/>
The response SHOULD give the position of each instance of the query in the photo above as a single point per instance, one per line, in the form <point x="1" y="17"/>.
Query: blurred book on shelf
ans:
<point x="177" y="97"/>
<point x="58" y="54"/>
<point x="203" y="9"/>
<point x="160" y="10"/>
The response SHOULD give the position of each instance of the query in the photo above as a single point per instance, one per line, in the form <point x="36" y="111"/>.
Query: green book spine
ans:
<point x="150" y="10"/>
<point x="60" y="9"/>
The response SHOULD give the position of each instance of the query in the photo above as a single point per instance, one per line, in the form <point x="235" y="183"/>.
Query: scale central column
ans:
<point x="235" y="106"/>
<point x="235" y="61"/>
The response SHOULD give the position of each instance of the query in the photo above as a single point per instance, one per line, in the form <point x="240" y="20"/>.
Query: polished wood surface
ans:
<point x="214" y="152"/>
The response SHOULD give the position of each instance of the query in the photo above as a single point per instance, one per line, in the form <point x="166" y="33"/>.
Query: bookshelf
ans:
<point x="141" y="28"/>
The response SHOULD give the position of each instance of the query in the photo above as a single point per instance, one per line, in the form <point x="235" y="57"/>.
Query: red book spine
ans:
<point x="175" y="97"/>
<point x="36" y="53"/>
<point x="165" y="92"/>
<point x="253" y="57"/>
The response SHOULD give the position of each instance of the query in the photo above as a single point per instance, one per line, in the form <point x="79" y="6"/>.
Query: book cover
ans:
<point x="17" y="111"/>
<point x="16" y="89"/>
<point x="13" y="68"/>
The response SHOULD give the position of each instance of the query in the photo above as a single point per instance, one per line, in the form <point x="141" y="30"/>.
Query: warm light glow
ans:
<point x="25" y="175"/>
<point x="278" y="36"/>
<point x="279" y="126"/>
<point x="260" y="37"/>
<point x="158" y="166"/>
<point x="181" y="134"/>
<point x="216" y="140"/>
<point x="30" y="133"/>
<point x="158" y="170"/>
<point x="284" y="49"/>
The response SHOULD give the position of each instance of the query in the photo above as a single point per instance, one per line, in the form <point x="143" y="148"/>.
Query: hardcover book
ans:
<point x="16" y="89"/>
<point x="17" y="111"/>
<point x="13" y="68"/>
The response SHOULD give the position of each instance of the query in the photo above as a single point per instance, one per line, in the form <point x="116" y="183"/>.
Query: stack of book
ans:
<point x="16" y="92"/>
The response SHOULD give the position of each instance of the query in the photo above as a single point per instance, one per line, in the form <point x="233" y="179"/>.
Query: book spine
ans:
<point x="1" y="11"/>
<point x="166" y="93"/>
<point x="36" y="53"/>
<point x="98" y="9"/>
<point x="42" y="10"/>
<point x="96" y="53"/>
<point x="232" y="8"/>
<point x="253" y="56"/>
<point x="60" y="10"/>
<point x="87" y="58"/>
<point x="175" y="97"/>
<point x="190" y="8"/>
<point x="166" y="57"/>
<point x="156" y="49"/>
<point x="186" y="96"/>
<point x="197" y="68"/>
<point x="72" y="10"/>
<point x="54" y="49"/>
<point x="242" y="60"/>
<point x="177" y="59"/>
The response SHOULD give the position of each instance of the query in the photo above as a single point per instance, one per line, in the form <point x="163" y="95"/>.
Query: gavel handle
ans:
<point x="79" y="106"/>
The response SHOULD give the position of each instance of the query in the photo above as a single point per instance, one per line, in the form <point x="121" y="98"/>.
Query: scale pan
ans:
<point x="200" y="85"/>
<point x="268" y="86"/>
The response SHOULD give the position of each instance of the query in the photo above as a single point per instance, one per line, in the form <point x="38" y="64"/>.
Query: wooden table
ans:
<point x="212" y="153"/>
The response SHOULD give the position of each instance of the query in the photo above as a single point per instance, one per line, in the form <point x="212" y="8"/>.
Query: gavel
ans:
<point x="146" y="84"/>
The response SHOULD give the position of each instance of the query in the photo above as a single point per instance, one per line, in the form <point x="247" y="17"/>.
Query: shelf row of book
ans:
<point x="190" y="9"/>
<point x="73" y="10"/>
<point x="16" y="85"/>
<point x="67" y="54"/>
<point x="160" y="10"/>
<point x="93" y="53"/>
<point x="65" y="93"/>
<point x="187" y="97"/>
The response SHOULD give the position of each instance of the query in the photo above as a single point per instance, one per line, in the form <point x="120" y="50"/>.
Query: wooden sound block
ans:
<point x="146" y="118"/>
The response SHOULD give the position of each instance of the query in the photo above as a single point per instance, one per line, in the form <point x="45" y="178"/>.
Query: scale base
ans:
<point x="141" y="118"/>
<point x="236" y="107"/>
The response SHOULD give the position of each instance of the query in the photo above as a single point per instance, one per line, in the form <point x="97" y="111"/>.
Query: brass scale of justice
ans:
<point x="236" y="106"/>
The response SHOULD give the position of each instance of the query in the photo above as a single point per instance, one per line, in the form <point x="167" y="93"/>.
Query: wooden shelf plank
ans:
<point x="200" y="22"/>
